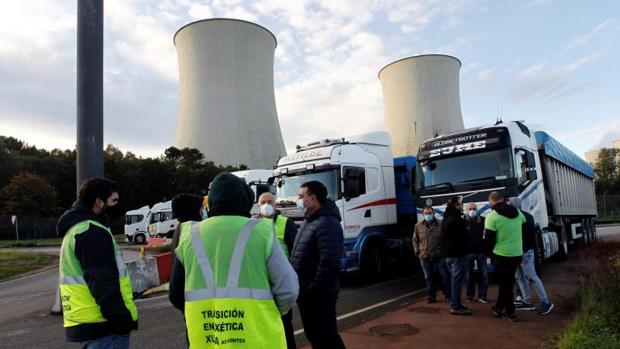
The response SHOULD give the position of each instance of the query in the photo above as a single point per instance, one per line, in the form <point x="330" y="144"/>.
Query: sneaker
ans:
<point x="545" y="308"/>
<point x="511" y="317"/>
<point x="463" y="307"/>
<point x="525" y="306"/>
<point x="518" y="300"/>
<point x="483" y="300"/>
<point x="497" y="313"/>
<point x="460" y="311"/>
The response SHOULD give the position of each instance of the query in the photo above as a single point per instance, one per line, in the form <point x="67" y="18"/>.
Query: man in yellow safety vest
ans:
<point x="286" y="230"/>
<point x="96" y="293"/>
<point x="230" y="276"/>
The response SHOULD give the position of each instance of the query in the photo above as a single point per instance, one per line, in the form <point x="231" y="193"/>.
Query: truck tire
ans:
<point x="373" y="260"/>
<point x="562" y="254"/>
<point x="139" y="239"/>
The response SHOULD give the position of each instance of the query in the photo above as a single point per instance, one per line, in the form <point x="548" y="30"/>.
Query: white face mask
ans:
<point x="472" y="214"/>
<point x="266" y="210"/>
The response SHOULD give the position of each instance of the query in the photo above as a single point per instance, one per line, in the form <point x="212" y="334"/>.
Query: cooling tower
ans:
<point x="227" y="106"/>
<point x="421" y="100"/>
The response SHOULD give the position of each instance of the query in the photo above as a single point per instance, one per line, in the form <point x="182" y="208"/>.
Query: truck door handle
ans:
<point x="367" y="213"/>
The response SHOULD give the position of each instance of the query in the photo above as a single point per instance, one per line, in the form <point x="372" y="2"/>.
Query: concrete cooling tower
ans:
<point x="421" y="100"/>
<point x="227" y="106"/>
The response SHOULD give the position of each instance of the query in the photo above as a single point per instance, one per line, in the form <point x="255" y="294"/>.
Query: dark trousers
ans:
<point x="287" y="321"/>
<point x="318" y="315"/>
<point x="435" y="269"/>
<point x="505" y="268"/>
<point x="458" y="272"/>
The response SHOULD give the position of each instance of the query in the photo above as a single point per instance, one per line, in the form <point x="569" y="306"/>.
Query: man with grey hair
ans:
<point x="286" y="230"/>
<point x="527" y="269"/>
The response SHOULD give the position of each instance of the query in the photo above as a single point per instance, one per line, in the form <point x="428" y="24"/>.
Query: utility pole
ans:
<point x="89" y="90"/>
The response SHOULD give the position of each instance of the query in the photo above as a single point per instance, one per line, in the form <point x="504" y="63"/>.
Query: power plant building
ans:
<point x="421" y="100"/>
<point x="227" y="104"/>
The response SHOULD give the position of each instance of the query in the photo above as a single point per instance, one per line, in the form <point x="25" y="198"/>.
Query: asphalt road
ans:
<point x="25" y="303"/>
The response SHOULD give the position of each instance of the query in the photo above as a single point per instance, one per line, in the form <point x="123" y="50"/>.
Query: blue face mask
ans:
<point x="428" y="217"/>
<point x="300" y="206"/>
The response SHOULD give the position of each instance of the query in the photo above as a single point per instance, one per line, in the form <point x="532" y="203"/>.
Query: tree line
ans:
<point x="607" y="172"/>
<point x="40" y="183"/>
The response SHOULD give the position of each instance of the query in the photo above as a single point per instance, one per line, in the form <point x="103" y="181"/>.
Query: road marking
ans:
<point x="370" y="307"/>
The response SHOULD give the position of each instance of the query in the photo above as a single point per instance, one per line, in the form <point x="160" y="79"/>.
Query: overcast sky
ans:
<point x="554" y="64"/>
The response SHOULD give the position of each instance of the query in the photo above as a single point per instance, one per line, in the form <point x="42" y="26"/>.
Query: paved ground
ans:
<point x="25" y="321"/>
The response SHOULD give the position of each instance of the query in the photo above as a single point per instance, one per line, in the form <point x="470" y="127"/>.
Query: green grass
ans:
<point x="597" y="302"/>
<point x="15" y="263"/>
<point x="607" y="219"/>
<point x="44" y="242"/>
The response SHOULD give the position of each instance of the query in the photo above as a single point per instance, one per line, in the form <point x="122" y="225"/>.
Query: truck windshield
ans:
<point x="132" y="219"/>
<point x="288" y="185"/>
<point x="467" y="168"/>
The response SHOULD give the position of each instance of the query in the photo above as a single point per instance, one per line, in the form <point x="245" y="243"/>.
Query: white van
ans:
<point x="136" y="225"/>
<point x="258" y="180"/>
<point x="160" y="221"/>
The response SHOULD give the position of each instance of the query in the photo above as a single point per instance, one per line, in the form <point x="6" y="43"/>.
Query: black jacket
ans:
<point x="317" y="251"/>
<point x="529" y="232"/>
<point x="454" y="234"/>
<point x="95" y="251"/>
<point x="475" y="229"/>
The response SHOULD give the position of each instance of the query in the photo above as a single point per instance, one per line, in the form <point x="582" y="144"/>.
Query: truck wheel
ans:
<point x="563" y="250"/>
<point x="373" y="260"/>
<point x="140" y="239"/>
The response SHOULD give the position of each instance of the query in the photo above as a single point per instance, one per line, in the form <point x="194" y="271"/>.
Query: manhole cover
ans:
<point x="400" y="330"/>
<point x="424" y="310"/>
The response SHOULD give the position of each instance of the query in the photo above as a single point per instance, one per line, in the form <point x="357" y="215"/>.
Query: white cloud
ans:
<point x="581" y="40"/>
<point x="541" y="81"/>
<point x="198" y="11"/>
<point x="485" y="74"/>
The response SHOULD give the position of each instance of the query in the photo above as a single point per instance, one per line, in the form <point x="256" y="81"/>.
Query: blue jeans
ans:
<point x="433" y="268"/>
<point x="527" y="272"/>
<point x="114" y="341"/>
<point x="481" y="260"/>
<point x="458" y="271"/>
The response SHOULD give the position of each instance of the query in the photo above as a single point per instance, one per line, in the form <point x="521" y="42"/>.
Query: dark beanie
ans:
<point x="186" y="207"/>
<point x="229" y="195"/>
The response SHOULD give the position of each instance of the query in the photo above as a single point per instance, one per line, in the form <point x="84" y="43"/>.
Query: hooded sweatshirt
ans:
<point x="95" y="252"/>
<point x="503" y="229"/>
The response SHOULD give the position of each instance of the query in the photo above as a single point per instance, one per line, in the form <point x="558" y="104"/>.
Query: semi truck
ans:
<point x="555" y="185"/>
<point x="371" y="189"/>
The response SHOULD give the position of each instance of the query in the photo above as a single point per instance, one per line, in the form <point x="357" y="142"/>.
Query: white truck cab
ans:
<point x="358" y="172"/>
<point x="136" y="225"/>
<point x="259" y="182"/>
<point x="160" y="221"/>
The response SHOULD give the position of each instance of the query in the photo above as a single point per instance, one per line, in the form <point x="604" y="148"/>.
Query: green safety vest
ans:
<point x="78" y="304"/>
<point x="228" y="299"/>
<point x="280" y="227"/>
